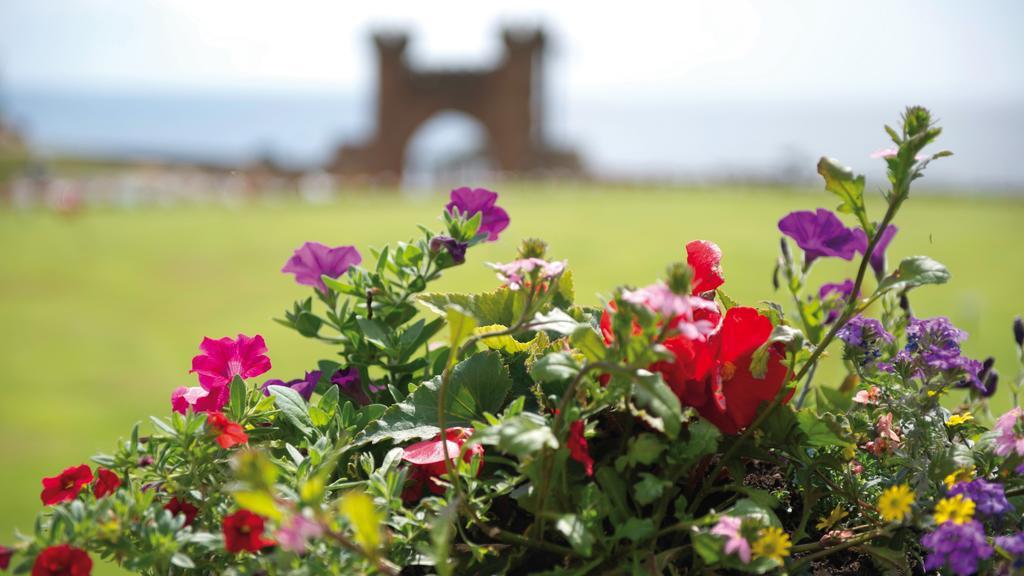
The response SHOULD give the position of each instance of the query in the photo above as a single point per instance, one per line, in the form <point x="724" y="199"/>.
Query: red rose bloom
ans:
<point x="578" y="449"/>
<point x="178" y="506"/>
<point x="106" y="483"/>
<point x="243" y="530"/>
<point x="62" y="560"/>
<point x="66" y="485"/>
<point x="228" y="433"/>
<point x="427" y="459"/>
<point x="5" y="557"/>
<point x="714" y="376"/>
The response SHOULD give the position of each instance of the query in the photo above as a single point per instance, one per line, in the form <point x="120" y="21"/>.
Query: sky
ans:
<point x="737" y="49"/>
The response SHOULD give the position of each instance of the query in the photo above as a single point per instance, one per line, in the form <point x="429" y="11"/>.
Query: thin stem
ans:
<point x="795" y="568"/>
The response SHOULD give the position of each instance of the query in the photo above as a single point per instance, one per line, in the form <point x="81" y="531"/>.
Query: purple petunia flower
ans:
<point x="959" y="546"/>
<point x="304" y="386"/>
<point x="834" y="297"/>
<point x="455" y="249"/>
<point x="820" y="233"/>
<point x="989" y="497"/>
<point x="314" y="260"/>
<point x="350" y="384"/>
<point x="877" y="259"/>
<point x="469" y="201"/>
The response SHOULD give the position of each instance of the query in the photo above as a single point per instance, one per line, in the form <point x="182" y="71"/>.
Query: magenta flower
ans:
<point x="820" y="234"/>
<point x="469" y="201"/>
<point x="877" y="259"/>
<point x="515" y="274"/>
<point x="314" y="260"/>
<point x="304" y="386"/>
<point x="729" y="528"/>
<point x="221" y="360"/>
<point x="199" y="399"/>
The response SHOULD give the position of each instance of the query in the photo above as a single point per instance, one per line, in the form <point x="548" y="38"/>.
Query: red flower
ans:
<point x="178" y="506"/>
<point x="705" y="258"/>
<point x="243" y="530"/>
<point x="62" y="560"/>
<point x="66" y="485"/>
<point x="106" y="483"/>
<point x="714" y="376"/>
<point x="5" y="557"/>
<point x="427" y="459"/>
<point x="221" y="360"/>
<point x="578" y="449"/>
<point x="228" y="433"/>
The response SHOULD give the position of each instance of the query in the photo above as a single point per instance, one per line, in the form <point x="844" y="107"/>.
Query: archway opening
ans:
<point x="450" y="149"/>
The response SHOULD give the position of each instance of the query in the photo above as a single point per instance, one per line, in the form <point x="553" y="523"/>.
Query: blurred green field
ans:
<point x="100" y="314"/>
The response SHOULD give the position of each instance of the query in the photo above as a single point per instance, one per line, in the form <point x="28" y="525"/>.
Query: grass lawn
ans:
<point x="101" y="314"/>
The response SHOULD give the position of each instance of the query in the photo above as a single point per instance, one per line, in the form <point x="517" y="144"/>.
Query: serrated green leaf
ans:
<point x="589" y="342"/>
<point x="555" y="367"/>
<point x="556" y="321"/>
<point x="521" y="435"/>
<point x="460" y="325"/>
<point x="659" y="406"/>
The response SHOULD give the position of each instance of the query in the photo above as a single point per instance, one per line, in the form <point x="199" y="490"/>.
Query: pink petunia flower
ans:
<point x="199" y="399"/>
<point x="221" y="360"/>
<point x="729" y="528"/>
<point x="1009" y="441"/>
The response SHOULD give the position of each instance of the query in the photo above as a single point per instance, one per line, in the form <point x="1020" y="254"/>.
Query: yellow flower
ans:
<point x="772" y="543"/>
<point x="895" y="502"/>
<point x="958" y="419"/>
<point x="958" y="510"/>
<point x="832" y="519"/>
<point x="960" y="475"/>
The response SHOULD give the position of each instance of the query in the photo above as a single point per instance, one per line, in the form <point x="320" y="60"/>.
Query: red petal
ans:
<point x="705" y="258"/>
<point x="743" y="331"/>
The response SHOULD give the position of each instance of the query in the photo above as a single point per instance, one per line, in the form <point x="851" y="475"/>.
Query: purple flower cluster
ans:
<point x="959" y="546"/>
<point x="1014" y="546"/>
<point x="304" y="386"/>
<point x="989" y="497"/>
<point x="864" y="338"/>
<point x="933" y="350"/>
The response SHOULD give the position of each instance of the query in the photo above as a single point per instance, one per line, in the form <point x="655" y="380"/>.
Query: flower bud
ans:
<point x="916" y="120"/>
<point x="905" y="304"/>
<point x="679" y="275"/>
<point x="991" y="382"/>
<point x="533" y="248"/>
<point x="985" y="367"/>
<point x="775" y="277"/>
<point x="785" y="250"/>
<point x="1018" y="331"/>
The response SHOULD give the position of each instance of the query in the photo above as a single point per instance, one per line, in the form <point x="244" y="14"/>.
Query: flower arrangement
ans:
<point x="670" y="430"/>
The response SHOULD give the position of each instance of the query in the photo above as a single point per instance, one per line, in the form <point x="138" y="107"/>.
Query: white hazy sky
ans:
<point x="717" y="48"/>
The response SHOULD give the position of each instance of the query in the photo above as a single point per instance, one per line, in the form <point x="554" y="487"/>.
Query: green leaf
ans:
<point x="912" y="272"/>
<point x="555" y="367"/>
<point x="521" y="435"/>
<point x="824" y="430"/>
<point x="703" y="440"/>
<point x="589" y="342"/>
<point x="308" y="324"/>
<point x="505" y="343"/>
<point x="496" y="307"/>
<point x="261" y="503"/>
<point x="478" y="384"/>
<point x="841" y="181"/>
<point x="649" y="488"/>
<point x="575" y="532"/>
<point x="182" y="561"/>
<point x="291" y="404"/>
<point x="460" y="325"/>
<point x="659" y="406"/>
<point x="375" y="332"/>
<point x="635" y="529"/>
<point x="236" y="400"/>
<point x="791" y="337"/>
<point x="556" y="321"/>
